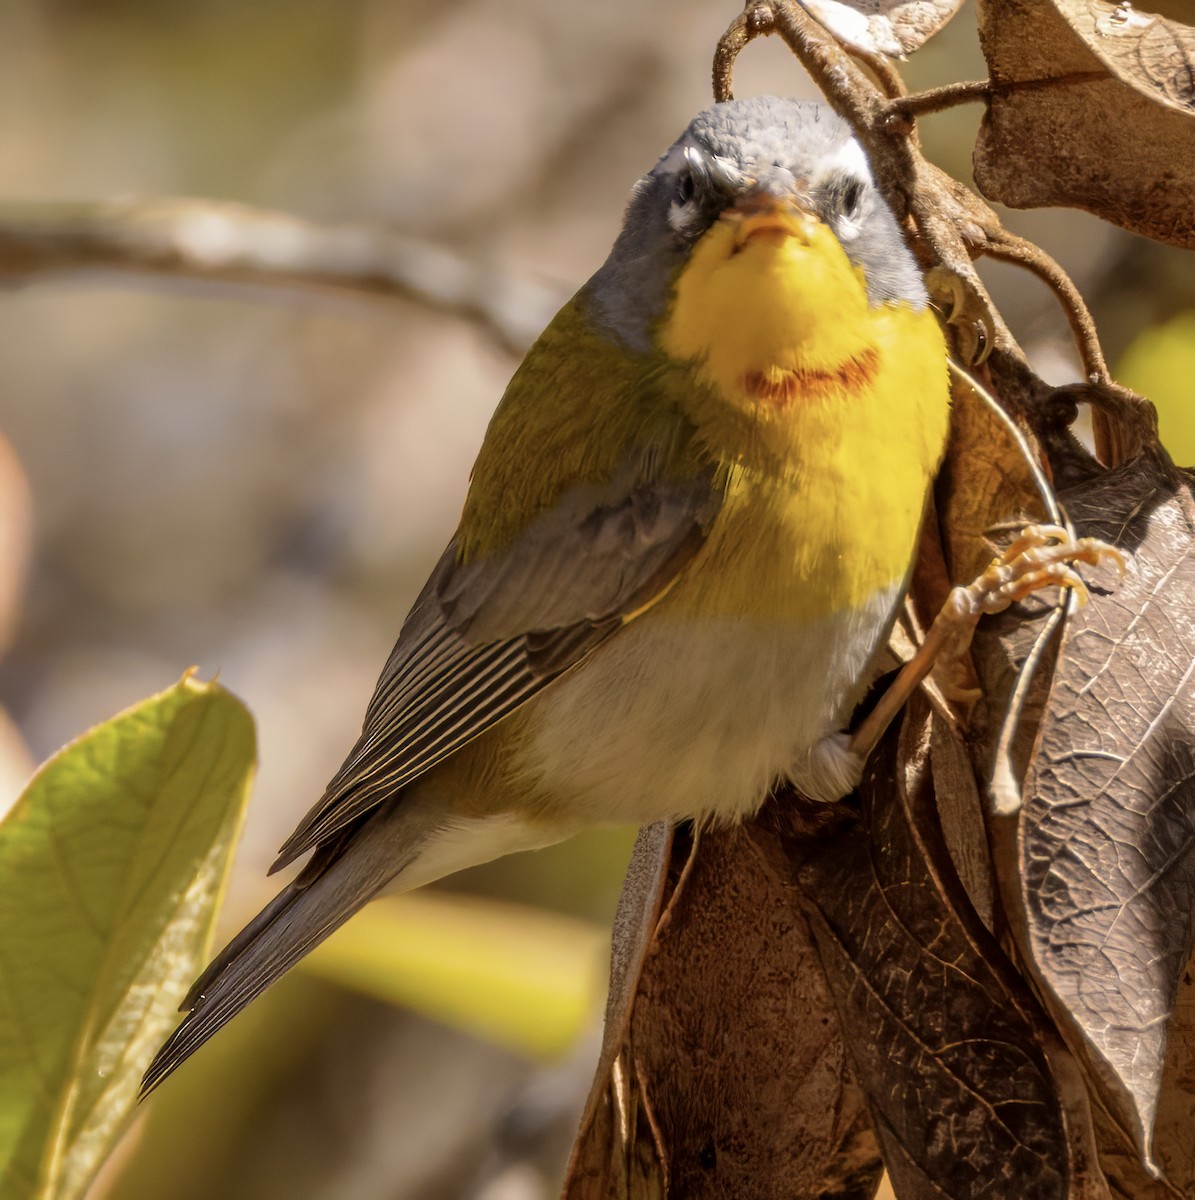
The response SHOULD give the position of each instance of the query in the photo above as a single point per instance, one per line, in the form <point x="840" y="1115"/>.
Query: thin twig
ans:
<point x="882" y="70"/>
<point x="1004" y="788"/>
<point x="1114" y="441"/>
<point x="1124" y="424"/>
<point x="754" y="21"/>
<point x="222" y="242"/>
<point x="937" y="99"/>
<point x="1047" y="83"/>
<point x="1007" y="247"/>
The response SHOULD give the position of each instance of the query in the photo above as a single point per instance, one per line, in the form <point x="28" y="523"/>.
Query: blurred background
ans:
<point x="257" y="482"/>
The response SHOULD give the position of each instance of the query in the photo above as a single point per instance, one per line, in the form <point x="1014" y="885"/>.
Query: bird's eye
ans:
<point x="686" y="188"/>
<point x="852" y="198"/>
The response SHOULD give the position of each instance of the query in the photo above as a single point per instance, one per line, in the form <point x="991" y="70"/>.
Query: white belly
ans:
<point x="698" y="720"/>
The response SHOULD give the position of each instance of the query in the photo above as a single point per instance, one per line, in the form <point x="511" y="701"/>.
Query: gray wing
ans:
<point x="485" y="636"/>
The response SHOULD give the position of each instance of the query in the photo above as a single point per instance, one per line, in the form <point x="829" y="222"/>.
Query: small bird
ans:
<point x="685" y="539"/>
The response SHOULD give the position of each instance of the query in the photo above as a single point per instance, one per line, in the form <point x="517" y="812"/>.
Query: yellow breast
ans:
<point x="829" y="414"/>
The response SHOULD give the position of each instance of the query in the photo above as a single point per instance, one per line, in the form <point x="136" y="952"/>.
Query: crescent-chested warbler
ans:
<point x="687" y="532"/>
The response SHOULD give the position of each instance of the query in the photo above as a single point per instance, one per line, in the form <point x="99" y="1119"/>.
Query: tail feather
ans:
<point x="239" y="944"/>
<point x="339" y="881"/>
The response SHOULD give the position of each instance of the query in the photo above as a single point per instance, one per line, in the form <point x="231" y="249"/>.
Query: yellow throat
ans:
<point x="830" y="413"/>
<point x="770" y="307"/>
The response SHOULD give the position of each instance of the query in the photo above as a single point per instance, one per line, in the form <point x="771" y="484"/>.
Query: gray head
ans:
<point x="768" y="144"/>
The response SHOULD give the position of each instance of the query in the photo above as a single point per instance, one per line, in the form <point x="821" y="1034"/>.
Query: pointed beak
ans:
<point x="764" y="215"/>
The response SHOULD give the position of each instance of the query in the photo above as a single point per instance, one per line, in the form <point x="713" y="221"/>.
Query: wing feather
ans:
<point x="486" y="636"/>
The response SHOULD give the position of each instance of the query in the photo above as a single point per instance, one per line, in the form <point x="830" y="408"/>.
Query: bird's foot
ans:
<point x="1042" y="556"/>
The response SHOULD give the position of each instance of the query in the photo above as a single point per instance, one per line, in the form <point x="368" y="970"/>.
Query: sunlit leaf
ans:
<point x="111" y="867"/>
<point x="893" y="27"/>
<point x="1106" y="837"/>
<point x="1092" y="106"/>
<point x="194" y="1135"/>
<point x="1160" y="364"/>
<point x="729" y="1076"/>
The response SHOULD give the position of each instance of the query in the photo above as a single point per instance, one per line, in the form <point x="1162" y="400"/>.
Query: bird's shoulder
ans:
<point x="579" y="407"/>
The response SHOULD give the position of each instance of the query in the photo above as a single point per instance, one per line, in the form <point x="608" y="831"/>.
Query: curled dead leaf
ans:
<point x="1092" y="106"/>
<point x="1105" y="839"/>
<point x="730" y="1078"/>
<point x="952" y="1051"/>
<point x="891" y="27"/>
<point x="1144" y="50"/>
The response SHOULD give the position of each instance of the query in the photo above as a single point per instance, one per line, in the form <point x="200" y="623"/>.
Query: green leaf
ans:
<point x="1160" y="364"/>
<point x="112" y="864"/>
<point x="517" y="976"/>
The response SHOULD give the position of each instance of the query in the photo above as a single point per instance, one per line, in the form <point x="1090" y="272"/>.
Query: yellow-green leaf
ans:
<point x="518" y="976"/>
<point x="1160" y="364"/>
<point x="111" y="869"/>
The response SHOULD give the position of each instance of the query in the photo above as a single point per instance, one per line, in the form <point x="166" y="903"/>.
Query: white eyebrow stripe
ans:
<point x="849" y="159"/>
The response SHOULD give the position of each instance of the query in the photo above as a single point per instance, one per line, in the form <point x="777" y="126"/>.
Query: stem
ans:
<point x="1007" y="247"/>
<point x="221" y="243"/>
<point x="940" y="98"/>
<point x="754" y="21"/>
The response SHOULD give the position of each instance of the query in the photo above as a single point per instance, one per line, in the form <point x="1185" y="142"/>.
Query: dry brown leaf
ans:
<point x="1176" y="1103"/>
<point x="598" y="1167"/>
<point x="1122" y="1167"/>
<point x="732" y="1078"/>
<point x="960" y="811"/>
<point x="952" y="1051"/>
<point x="1142" y="49"/>
<point x="984" y="481"/>
<point x="1099" y="858"/>
<point x="1092" y="107"/>
<point x="892" y="27"/>
<point x="1106" y="835"/>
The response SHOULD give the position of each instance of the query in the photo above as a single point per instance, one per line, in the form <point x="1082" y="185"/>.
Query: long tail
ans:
<point x="341" y="878"/>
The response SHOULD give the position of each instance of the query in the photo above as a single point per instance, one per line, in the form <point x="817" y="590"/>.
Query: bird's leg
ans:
<point x="1043" y="556"/>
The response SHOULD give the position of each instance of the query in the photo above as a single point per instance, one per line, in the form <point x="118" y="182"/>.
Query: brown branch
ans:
<point x="881" y="69"/>
<point x="1117" y="427"/>
<point x="937" y="99"/>
<point x="848" y="89"/>
<point x="754" y="21"/>
<point x="1047" y="83"/>
<point x="222" y="242"/>
<point x="1007" y="247"/>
